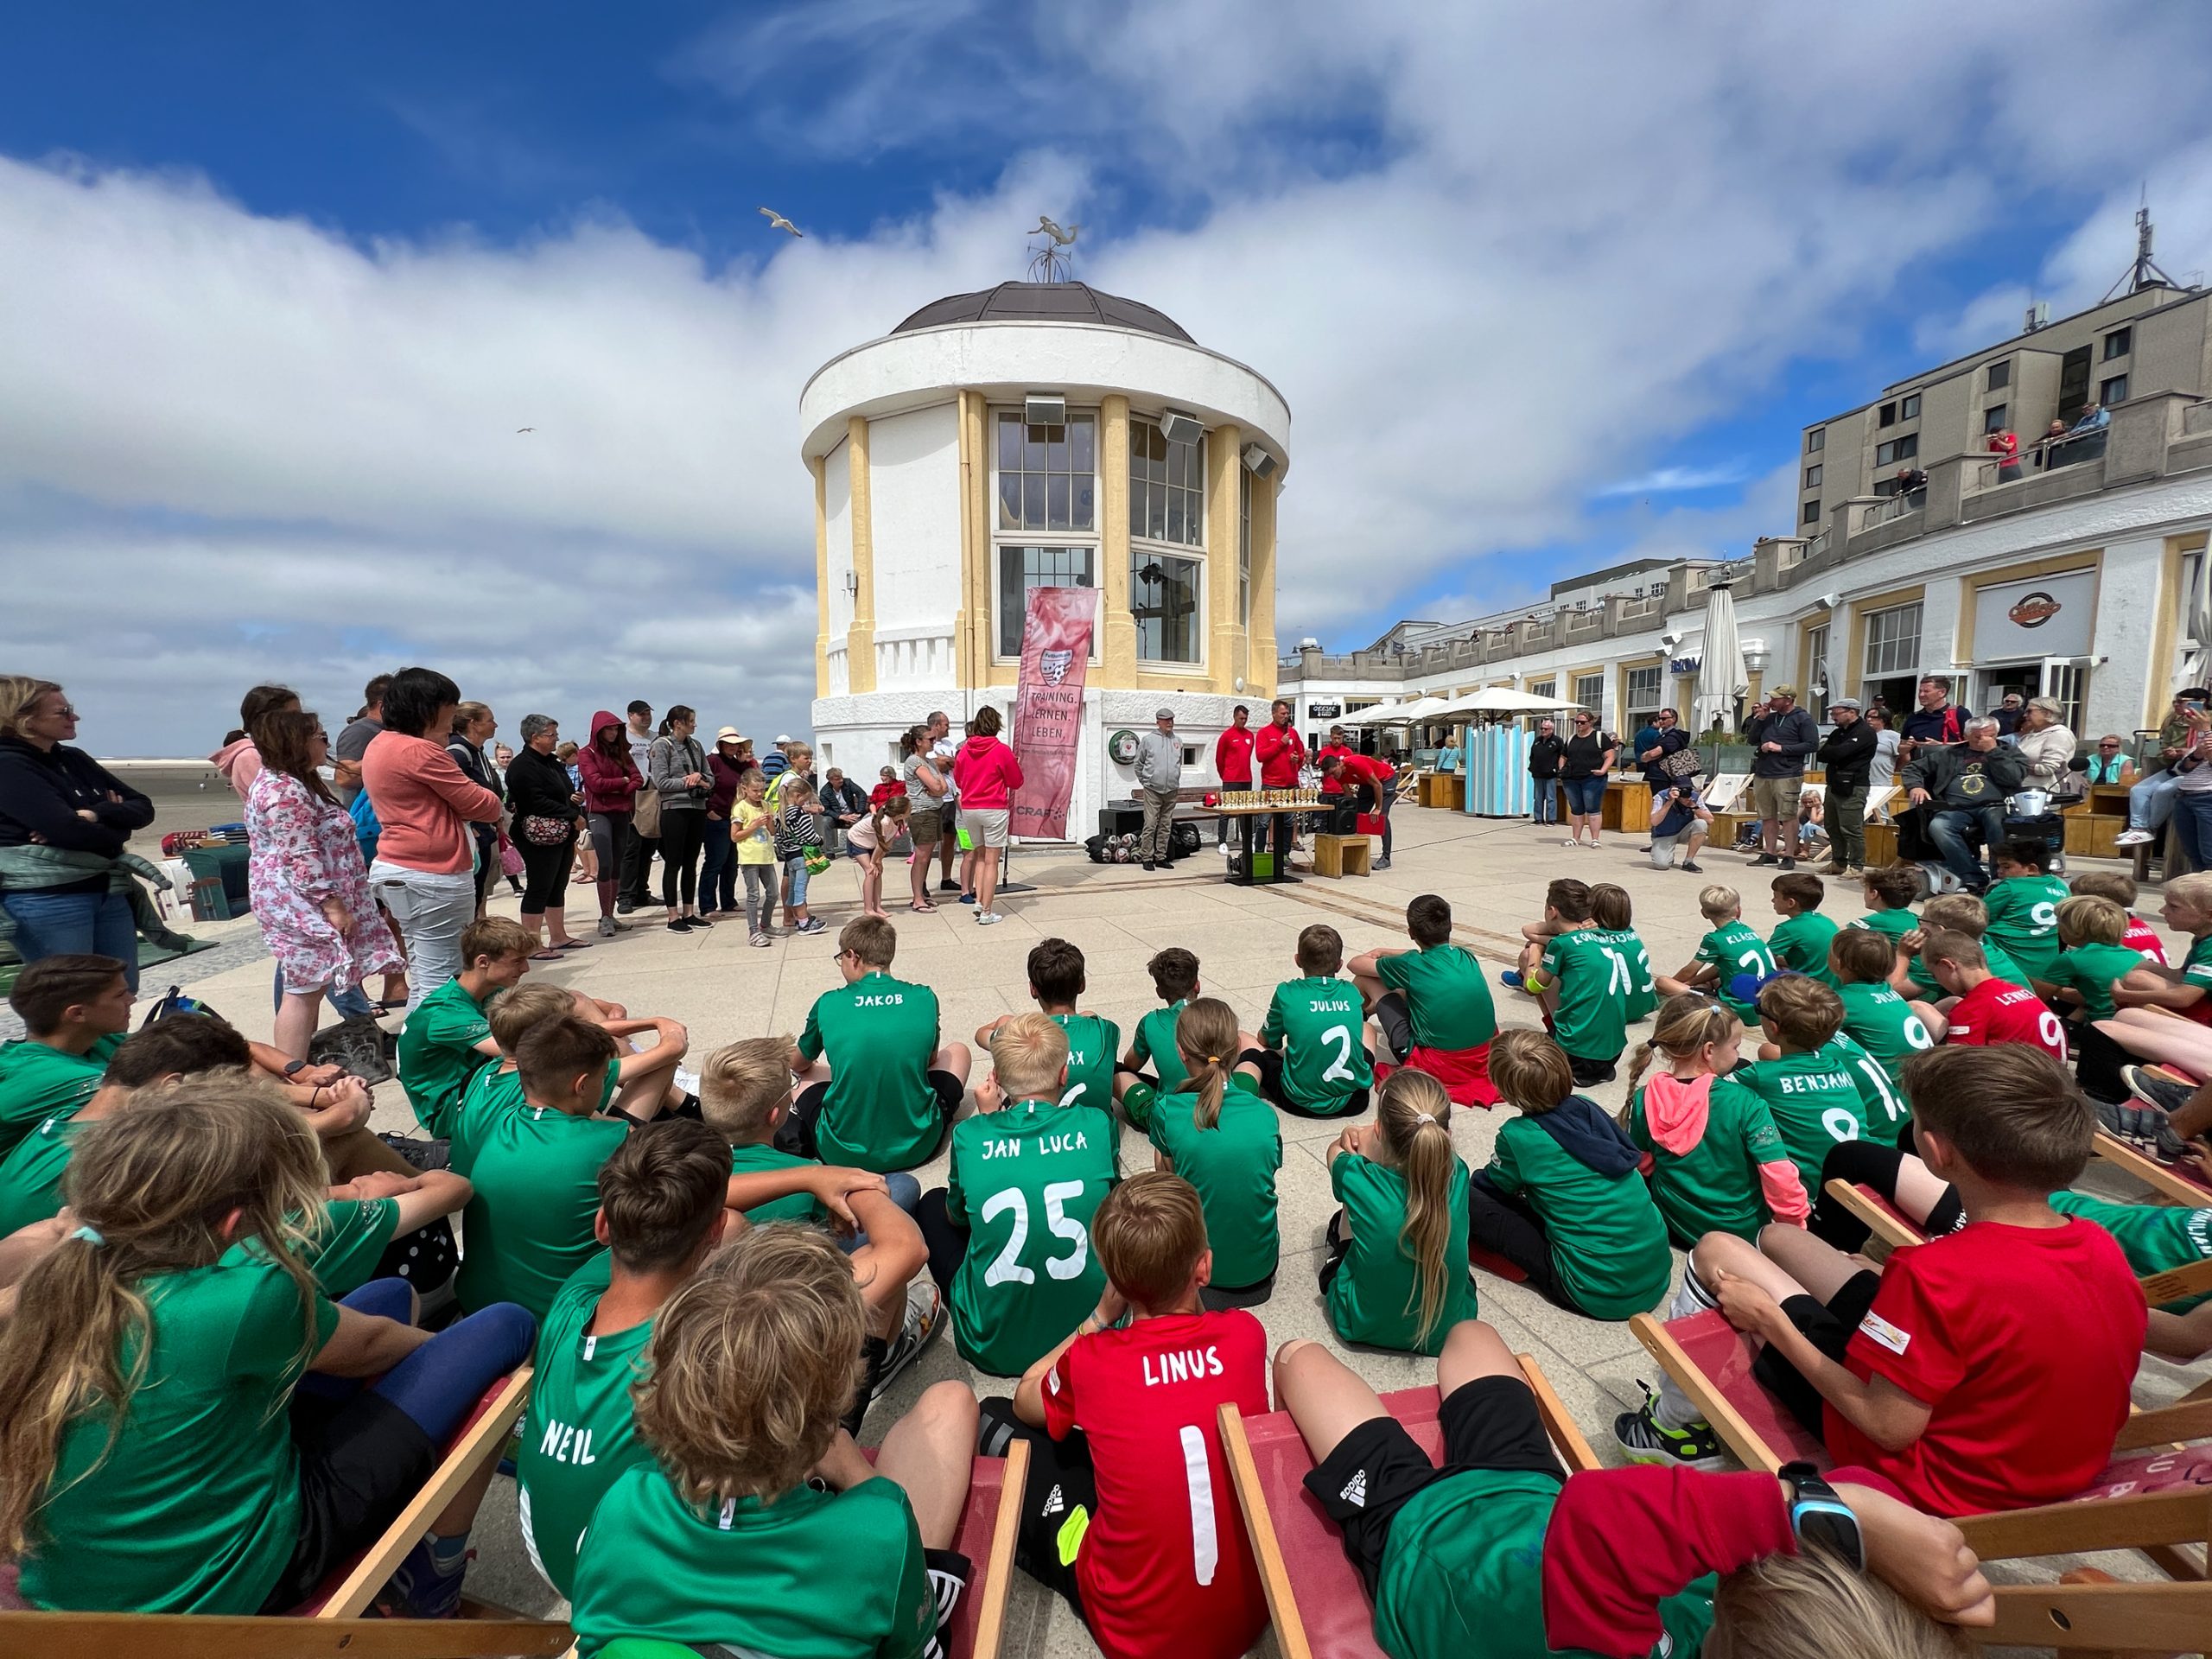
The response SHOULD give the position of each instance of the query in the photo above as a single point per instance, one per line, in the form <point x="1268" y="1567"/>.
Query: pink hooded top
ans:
<point x="987" y="773"/>
<point x="239" y="762"/>
<point x="1676" y="1111"/>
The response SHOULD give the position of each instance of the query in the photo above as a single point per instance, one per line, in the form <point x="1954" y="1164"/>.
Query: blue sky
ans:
<point x="1546" y="290"/>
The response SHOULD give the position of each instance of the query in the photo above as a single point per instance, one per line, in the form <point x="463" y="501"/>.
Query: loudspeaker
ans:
<point x="1044" y="409"/>
<point x="1258" y="461"/>
<point x="1121" y="818"/>
<point x="1178" y="427"/>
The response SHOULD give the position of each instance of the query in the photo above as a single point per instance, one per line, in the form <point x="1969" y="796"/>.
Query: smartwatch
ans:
<point x="1818" y="1516"/>
<point x="293" y="1067"/>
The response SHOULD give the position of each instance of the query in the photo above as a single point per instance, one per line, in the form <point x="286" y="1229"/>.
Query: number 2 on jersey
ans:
<point x="1340" y="1068"/>
<point x="1008" y="1269"/>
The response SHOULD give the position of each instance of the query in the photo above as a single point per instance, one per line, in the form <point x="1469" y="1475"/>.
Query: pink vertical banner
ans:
<point x="1048" y="706"/>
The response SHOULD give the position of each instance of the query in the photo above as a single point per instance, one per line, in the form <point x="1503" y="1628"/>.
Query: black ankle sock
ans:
<point x="874" y="1351"/>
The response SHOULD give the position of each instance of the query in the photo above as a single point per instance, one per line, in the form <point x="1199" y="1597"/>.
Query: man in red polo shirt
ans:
<point x="1281" y="754"/>
<point x="1988" y="1010"/>
<point x="1364" y="776"/>
<point x="1232" y="764"/>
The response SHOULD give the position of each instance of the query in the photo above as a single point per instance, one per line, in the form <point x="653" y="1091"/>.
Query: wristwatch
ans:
<point x="292" y="1068"/>
<point x="1818" y="1516"/>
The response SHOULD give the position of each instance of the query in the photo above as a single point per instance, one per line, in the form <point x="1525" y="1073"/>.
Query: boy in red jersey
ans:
<point x="1988" y="1010"/>
<point x="1989" y="1369"/>
<point x="1152" y="1571"/>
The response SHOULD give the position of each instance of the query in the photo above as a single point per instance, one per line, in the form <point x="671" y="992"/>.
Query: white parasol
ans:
<point x="1721" y="677"/>
<point x="1504" y="700"/>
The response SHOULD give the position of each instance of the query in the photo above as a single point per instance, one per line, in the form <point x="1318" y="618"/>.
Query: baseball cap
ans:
<point x="1781" y="690"/>
<point x="780" y="737"/>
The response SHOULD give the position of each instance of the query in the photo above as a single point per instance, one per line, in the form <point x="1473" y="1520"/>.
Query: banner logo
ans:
<point x="1048" y="706"/>
<point x="2033" y="610"/>
<point x="1053" y="665"/>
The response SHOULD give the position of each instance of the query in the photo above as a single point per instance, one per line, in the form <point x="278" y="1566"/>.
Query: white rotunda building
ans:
<point x="1041" y="434"/>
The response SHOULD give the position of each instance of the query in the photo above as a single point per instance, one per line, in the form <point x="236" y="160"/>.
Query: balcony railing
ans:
<point x="2051" y="455"/>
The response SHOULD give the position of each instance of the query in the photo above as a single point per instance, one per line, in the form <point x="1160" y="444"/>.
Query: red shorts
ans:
<point x="1465" y="1072"/>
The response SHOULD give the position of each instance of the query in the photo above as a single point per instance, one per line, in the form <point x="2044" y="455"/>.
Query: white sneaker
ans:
<point x="2133" y="838"/>
<point x="924" y="1314"/>
<point x="986" y="917"/>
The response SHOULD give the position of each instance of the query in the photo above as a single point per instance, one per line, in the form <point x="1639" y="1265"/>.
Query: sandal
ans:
<point x="922" y="910"/>
<point x="547" y="955"/>
<point x="572" y="945"/>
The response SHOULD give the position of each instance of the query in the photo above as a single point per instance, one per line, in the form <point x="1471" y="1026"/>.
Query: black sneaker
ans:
<point x="1691" y="868"/>
<point x="1765" y="858"/>
<point x="1789" y="863"/>
<point x="624" y="907"/>
<point x="1643" y="1439"/>
<point x="948" y="886"/>
<point x="698" y="921"/>
<point x="1149" y="865"/>
<point x="925" y="1317"/>
<point x="2165" y="1093"/>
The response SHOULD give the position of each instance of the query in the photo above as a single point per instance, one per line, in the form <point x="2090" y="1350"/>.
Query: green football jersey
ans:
<point x="529" y="1227"/>
<point x="195" y="1506"/>
<point x="810" y="1575"/>
<point x="1801" y="943"/>
<point x="1156" y="1042"/>
<point x="1882" y="1102"/>
<point x="580" y="1435"/>
<point x="2000" y="964"/>
<point x="1815" y="1103"/>
<point x="356" y="1233"/>
<point x="30" y="1175"/>
<point x="2197" y="967"/>
<point x="1713" y="1187"/>
<point x="1734" y="949"/>
<point x="438" y="1054"/>
<point x="1025" y="1181"/>
<point x="1448" y="995"/>
<point x="37" y="1081"/>
<point x="2154" y="1237"/>
<point x="1094" y="1046"/>
<point x="2093" y="970"/>
<point x="1883" y="1023"/>
<point x="1375" y="1295"/>
<point x="1233" y="1166"/>
<point x="2023" y="919"/>
<point x="882" y="1112"/>
<point x="1595" y="980"/>
<point x="1608" y="1241"/>
<point x="1643" y="984"/>
<point x="1319" y="1024"/>
<point x="1895" y="923"/>
<point x="767" y="1160"/>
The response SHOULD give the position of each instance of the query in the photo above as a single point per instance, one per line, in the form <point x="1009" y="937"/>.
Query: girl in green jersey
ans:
<point x="1397" y="1270"/>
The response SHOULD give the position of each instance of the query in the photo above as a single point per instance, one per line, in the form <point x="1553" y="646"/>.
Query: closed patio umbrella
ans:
<point x="1721" y="677"/>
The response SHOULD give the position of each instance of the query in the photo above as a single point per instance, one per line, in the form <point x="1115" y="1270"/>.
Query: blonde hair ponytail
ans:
<point x="1684" y="1024"/>
<point x="1205" y="1035"/>
<point x="1415" y="1116"/>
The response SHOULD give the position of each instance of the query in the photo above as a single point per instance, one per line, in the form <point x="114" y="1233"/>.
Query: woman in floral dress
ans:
<point x="310" y="890"/>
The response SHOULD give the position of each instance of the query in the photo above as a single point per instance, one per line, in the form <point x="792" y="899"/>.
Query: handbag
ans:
<point x="645" y="819"/>
<point x="1682" y="763"/>
<point x="510" y="860"/>
<point x="542" y="831"/>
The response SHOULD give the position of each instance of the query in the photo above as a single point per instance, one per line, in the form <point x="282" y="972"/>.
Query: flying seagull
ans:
<point x="1064" y="238"/>
<point x="778" y="222"/>
<point x="525" y="428"/>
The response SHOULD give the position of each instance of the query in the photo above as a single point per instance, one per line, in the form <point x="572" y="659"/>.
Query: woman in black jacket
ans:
<point x="56" y="796"/>
<point x="473" y="725"/>
<point x="548" y="816"/>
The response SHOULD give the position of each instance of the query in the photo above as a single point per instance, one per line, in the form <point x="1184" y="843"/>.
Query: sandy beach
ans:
<point x="187" y="795"/>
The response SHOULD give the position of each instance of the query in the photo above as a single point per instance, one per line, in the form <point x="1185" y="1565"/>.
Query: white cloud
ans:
<point x="1495" y="258"/>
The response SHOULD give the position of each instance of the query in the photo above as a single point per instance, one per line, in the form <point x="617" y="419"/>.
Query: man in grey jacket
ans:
<point x="1160" y="774"/>
<point x="1966" y="785"/>
<point x="1782" y="734"/>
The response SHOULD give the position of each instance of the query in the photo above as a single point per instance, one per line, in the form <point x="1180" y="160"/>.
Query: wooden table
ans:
<point x="1279" y="841"/>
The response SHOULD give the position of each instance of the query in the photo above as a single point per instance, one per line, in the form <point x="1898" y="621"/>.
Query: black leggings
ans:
<point x="1395" y="1021"/>
<point x="948" y="1245"/>
<point x="1870" y="1163"/>
<point x="683" y="835"/>
<point x="1504" y="1226"/>
<point x="545" y="874"/>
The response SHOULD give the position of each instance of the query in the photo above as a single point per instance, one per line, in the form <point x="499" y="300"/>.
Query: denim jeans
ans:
<point x="2151" y="803"/>
<point x="1950" y="830"/>
<point x="75" y="925"/>
<point x="902" y="1190"/>
<point x="1545" y="800"/>
<point x="431" y="910"/>
<point x="795" y="873"/>
<point x="718" y="868"/>
<point x="1584" y="795"/>
<point x="2192" y="825"/>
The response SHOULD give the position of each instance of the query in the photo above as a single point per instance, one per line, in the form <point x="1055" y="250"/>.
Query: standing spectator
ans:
<point x="548" y="816"/>
<point x="844" y="801"/>
<point x="310" y="888"/>
<point x="473" y="725"/>
<point x="1937" y="720"/>
<point x="1232" y="764"/>
<point x="503" y="756"/>
<point x="775" y="762"/>
<point x="2007" y="714"/>
<point x="731" y="760"/>
<point x="237" y="759"/>
<point x="1544" y="751"/>
<point x="611" y="782"/>
<point x="677" y="771"/>
<point x="2044" y="743"/>
<point x="1882" y="767"/>
<point x="945" y="749"/>
<point x="644" y="814"/>
<point x="2193" y="796"/>
<point x="1848" y="752"/>
<point x="353" y="743"/>
<point x="2005" y="446"/>
<point x="799" y="767"/>
<point x="1967" y="786"/>
<point x="1585" y="764"/>
<point x="800" y="834"/>
<point x="1655" y="743"/>
<point x="425" y="872"/>
<point x="63" y="819"/>
<point x="2151" y="803"/>
<point x="927" y="790"/>
<point x="1782" y="736"/>
<point x="987" y="774"/>
<point x="1160" y="775"/>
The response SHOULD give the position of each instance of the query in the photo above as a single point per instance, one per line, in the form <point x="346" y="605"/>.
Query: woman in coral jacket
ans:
<point x="611" y="781"/>
<point x="987" y="774"/>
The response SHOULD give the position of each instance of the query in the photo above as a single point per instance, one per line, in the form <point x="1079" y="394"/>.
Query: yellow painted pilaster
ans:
<point x="821" y="582"/>
<point x="1118" y="658"/>
<point x="1225" y="632"/>
<point x="860" y="638"/>
<point x="1260" y="669"/>
<point x="967" y="621"/>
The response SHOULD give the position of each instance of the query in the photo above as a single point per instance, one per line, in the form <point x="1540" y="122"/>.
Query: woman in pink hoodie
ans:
<point x="237" y="759"/>
<point x="611" y="781"/>
<point x="1717" y="1164"/>
<point x="987" y="774"/>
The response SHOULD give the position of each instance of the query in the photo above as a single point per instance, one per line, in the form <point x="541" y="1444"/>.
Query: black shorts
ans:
<point x="1828" y="1328"/>
<point x="1217" y="1297"/>
<point x="1058" y="1503"/>
<point x="1269" y="1065"/>
<point x="798" y="1133"/>
<point x="1491" y="1423"/>
<point x="1588" y="1072"/>
<point x="361" y="1461"/>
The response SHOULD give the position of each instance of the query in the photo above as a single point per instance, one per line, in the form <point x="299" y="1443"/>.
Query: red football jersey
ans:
<point x="1996" y="1012"/>
<point x="2141" y="935"/>
<point x="2024" y="1341"/>
<point x="1166" y="1566"/>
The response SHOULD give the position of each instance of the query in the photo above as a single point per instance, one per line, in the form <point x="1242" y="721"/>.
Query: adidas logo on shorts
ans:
<point x="1355" y="1489"/>
<point x="1054" y="1502"/>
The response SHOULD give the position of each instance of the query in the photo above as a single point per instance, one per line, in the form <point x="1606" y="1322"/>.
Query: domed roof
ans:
<point x="1044" y="302"/>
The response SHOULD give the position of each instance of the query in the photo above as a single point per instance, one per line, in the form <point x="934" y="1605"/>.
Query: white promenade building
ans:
<point x="1041" y="434"/>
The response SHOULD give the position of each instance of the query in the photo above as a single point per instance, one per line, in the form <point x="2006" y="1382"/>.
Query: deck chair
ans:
<point x="1328" y="1614"/>
<point x="2154" y="1496"/>
<point x="2173" y="1182"/>
<point x="330" y="1621"/>
<point x="990" y="1527"/>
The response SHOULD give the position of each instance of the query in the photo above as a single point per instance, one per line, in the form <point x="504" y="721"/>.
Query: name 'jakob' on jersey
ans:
<point x="1044" y="1143"/>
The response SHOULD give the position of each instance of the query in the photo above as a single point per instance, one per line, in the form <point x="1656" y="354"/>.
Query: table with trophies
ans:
<point x="1249" y="806"/>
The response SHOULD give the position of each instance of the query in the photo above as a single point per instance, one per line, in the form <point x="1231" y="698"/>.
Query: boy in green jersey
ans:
<point x="1563" y="1198"/>
<point x="1810" y="1085"/>
<point x="640" y="1084"/>
<point x="1396" y="1271"/>
<point x="1056" y="979"/>
<point x="447" y="1034"/>
<point x="1585" y="982"/>
<point x="76" y="1010"/>
<point x="1175" y="980"/>
<point x="876" y="1091"/>
<point x="1432" y="1004"/>
<point x="1499" y="1554"/>
<point x="1009" y="1232"/>
<point x="1729" y="951"/>
<point x="1614" y="912"/>
<point x="660" y="1216"/>
<point x="1875" y="1017"/>
<point x="1799" y="940"/>
<point x="722" y="1541"/>
<point x="1950" y="913"/>
<point x="1220" y="1136"/>
<point x="2158" y="1238"/>
<point x="1889" y="891"/>
<point x="2023" y="903"/>
<point x="1316" y="1057"/>
<point x="2078" y="983"/>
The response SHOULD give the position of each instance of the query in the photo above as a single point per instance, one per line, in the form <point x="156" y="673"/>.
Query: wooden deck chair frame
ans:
<point x="1267" y="1548"/>
<point x="998" y="1569"/>
<point x="2170" y="1187"/>
<point x="336" y="1626"/>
